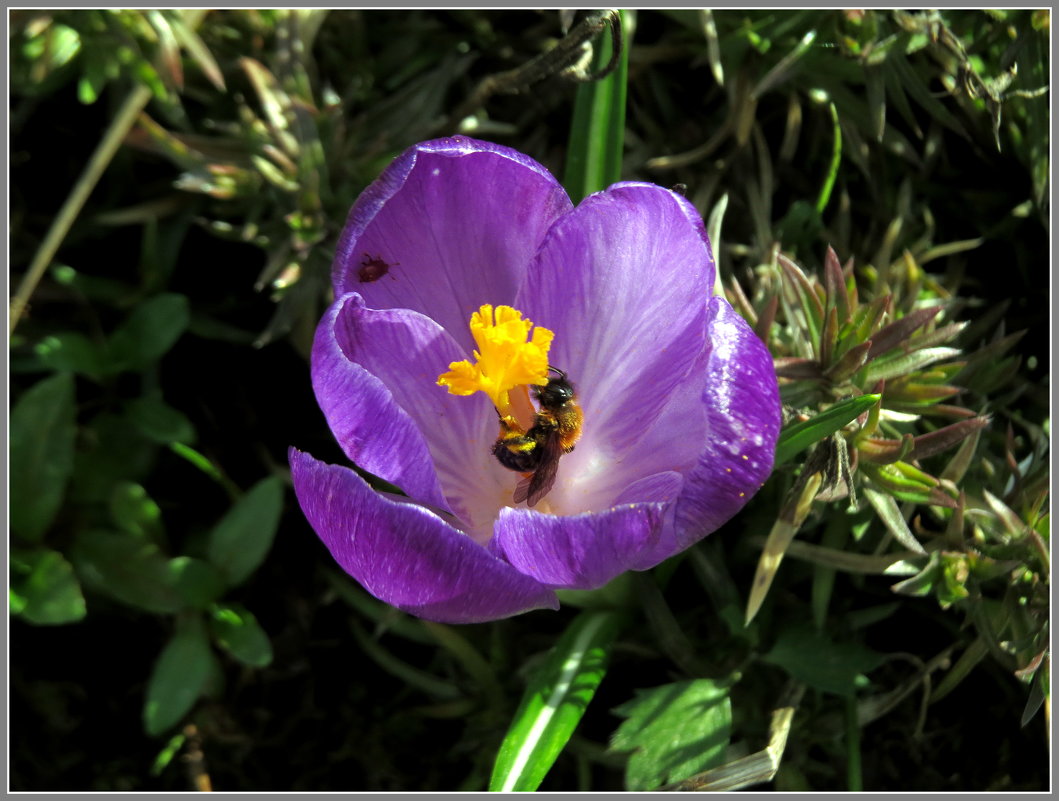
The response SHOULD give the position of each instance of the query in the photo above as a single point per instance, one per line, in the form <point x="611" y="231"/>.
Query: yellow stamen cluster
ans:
<point x="505" y="358"/>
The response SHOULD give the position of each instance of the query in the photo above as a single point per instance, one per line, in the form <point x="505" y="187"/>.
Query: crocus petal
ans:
<point x="581" y="551"/>
<point x="405" y="351"/>
<point x="454" y="222"/>
<point x="621" y="280"/>
<point x="656" y="488"/>
<point x="407" y="556"/>
<point x="742" y="405"/>
<point x="368" y="423"/>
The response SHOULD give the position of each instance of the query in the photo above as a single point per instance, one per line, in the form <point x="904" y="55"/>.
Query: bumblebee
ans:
<point x="556" y="428"/>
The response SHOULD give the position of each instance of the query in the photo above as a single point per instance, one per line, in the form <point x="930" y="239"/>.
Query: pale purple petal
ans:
<point x="407" y="556"/>
<point x="655" y="488"/>
<point x="456" y="223"/>
<point x="406" y="352"/>
<point x="581" y="551"/>
<point x="368" y="423"/>
<point x="743" y="422"/>
<point x="622" y="281"/>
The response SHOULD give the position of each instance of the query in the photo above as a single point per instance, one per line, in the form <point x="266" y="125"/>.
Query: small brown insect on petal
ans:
<point x="372" y="268"/>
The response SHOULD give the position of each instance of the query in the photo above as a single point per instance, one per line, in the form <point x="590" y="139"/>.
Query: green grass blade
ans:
<point x="800" y="436"/>
<point x="556" y="699"/>
<point x="597" y="133"/>
<point x="836" y="160"/>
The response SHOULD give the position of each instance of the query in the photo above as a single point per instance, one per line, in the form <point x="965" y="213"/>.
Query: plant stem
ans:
<point x="93" y="171"/>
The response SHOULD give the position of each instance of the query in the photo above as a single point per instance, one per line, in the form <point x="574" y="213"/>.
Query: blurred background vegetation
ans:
<point x="178" y="181"/>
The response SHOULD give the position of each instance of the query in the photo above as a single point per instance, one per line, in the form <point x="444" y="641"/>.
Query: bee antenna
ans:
<point x="556" y="370"/>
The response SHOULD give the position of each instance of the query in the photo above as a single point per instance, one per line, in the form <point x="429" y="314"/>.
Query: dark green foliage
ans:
<point x="178" y="677"/>
<point x="813" y="658"/>
<point x="42" y="447"/>
<point x="44" y="588"/>
<point x="240" y="541"/>
<point x="875" y="185"/>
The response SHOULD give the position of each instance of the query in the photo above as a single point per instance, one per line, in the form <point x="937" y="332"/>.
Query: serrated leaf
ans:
<point x="127" y="568"/>
<point x="796" y="438"/>
<point x="809" y="656"/>
<point x="178" y="677"/>
<point x="675" y="731"/>
<point x="241" y="540"/>
<point x="41" y="455"/>
<point x="237" y="631"/>
<point x="148" y="333"/>
<point x="44" y="589"/>
<point x="554" y="702"/>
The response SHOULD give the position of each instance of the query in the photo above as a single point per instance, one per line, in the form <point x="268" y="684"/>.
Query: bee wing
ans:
<point x="538" y="485"/>
<point x="522" y="490"/>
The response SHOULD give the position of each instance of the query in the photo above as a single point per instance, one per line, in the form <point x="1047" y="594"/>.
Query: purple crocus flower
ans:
<point x="679" y="397"/>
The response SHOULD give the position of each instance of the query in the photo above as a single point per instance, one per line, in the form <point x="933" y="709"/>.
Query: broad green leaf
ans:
<point x="809" y="656"/>
<point x="796" y="438"/>
<point x="96" y="288"/>
<point x="134" y="511"/>
<point x="70" y="351"/>
<point x="597" y="133"/>
<point x="110" y="451"/>
<point x="160" y="422"/>
<point x="44" y="589"/>
<point x="237" y="631"/>
<point x="149" y="332"/>
<point x="127" y="568"/>
<point x="555" y="700"/>
<point x="241" y="540"/>
<point x="674" y="731"/>
<point x="178" y="677"/>
<point x="41" y="455"/>
<point x="197" y="582"/>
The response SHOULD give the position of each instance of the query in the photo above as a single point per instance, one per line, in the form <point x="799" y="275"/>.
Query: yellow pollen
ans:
<point x="507" y="357"/>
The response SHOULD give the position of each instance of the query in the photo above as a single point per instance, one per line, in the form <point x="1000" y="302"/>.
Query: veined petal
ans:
<point x="655" y="488"/>
<point x="742" y="404"/>
<point x="368" y="422"/>
<point x="622" y="280"/>
<point x="451" y="224"/>
<point x="581" y="551"/>
<point x="403" y="350"/>
<point x="408" y="556"/>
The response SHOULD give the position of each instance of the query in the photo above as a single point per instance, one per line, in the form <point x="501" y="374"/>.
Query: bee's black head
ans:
<point x="556" y="392"/>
